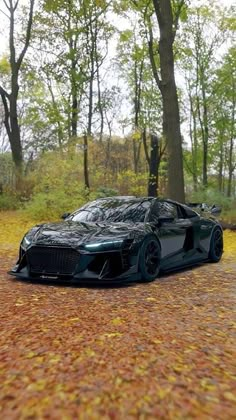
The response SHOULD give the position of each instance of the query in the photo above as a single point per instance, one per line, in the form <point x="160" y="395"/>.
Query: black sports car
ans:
<point x="120" y="238"/>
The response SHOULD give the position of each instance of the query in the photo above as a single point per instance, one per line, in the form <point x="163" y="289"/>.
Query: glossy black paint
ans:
<point x="102" y="240"/>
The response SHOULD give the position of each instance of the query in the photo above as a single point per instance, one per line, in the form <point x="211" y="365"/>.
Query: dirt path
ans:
<point x="159" y="350"/>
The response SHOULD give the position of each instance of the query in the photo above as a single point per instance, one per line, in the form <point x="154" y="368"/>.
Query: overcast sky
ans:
<point x="120" y="23"/>
<point x="4" y="23"/>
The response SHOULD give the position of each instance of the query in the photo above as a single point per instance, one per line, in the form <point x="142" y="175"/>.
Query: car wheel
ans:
<point x="216" y="245"/>
<point x="149" y="259"/>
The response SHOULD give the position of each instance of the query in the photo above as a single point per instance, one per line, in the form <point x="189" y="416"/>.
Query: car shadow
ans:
<point x="75" y="285"/>
<point x="189" y="267"/>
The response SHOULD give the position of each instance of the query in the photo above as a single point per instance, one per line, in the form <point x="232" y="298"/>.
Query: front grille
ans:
<point x="51" y="260"/>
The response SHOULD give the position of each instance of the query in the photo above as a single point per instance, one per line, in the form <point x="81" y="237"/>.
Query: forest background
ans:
<point x="89" y="105"/>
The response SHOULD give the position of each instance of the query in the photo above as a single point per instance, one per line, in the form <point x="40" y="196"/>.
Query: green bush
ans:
<point x="133" y="184"/>
<point x="51" y="205"/>
<point x="103" y="192"/>
<point x="9" y="201"/>
<point x="211" y="196"/>
<point x="229" y="215"/>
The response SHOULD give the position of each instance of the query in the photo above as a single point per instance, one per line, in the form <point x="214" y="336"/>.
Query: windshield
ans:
<point x="128" y="211"/>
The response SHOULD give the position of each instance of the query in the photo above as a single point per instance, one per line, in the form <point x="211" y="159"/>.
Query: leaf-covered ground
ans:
<point x="160" y="350"/>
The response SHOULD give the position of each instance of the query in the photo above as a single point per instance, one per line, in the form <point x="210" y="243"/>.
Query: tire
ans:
<point x="216" y="245"/>
<point x="149" y="259"/>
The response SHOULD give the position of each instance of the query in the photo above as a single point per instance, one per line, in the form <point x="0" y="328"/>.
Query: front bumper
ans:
<point x="69" y="265"/>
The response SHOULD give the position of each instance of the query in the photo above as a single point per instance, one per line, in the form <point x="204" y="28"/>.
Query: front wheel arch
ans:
<point x="149" y="258"/>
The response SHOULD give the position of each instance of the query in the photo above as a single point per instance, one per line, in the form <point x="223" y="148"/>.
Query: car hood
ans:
<point x="76" y="234"/>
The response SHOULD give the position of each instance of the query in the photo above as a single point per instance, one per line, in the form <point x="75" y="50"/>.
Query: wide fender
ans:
<point x="148" y="236"/>
<point x="216" y="226"/>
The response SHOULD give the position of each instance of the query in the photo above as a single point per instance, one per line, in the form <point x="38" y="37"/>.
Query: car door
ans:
<point x="172" y="233"/>
<point x="202" y="228"/>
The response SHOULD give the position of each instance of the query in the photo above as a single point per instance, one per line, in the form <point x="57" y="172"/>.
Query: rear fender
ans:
<point x="214" y="228"/>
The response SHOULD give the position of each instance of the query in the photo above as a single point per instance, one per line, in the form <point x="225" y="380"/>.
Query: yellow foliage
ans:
<point x="4" y="65"/>
<point x="117" y="321"/>
<point x="230" y="242"/>
<point x="164" y="350"/>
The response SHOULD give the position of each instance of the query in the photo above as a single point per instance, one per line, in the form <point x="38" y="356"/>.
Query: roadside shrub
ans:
<point x="133" y="184"/>
<point x="211" y="196"/>
<point x="9" y="201"/>
<point x="51" y="205"/>
<point x="229" y="215"/>
<point x="103" y="192"/>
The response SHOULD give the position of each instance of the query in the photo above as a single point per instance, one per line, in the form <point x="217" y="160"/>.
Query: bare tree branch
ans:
<point x="6" y="111"/>
<point x="4" y="92"/>
<point x="9" y="101"/>
<point x="152" y="58"/>
<point x="162" y="150"/>
<point x="16" y="4"/>
<point x="28" y="33"/>
<point x="11" y="37"/>
<point x="7" y="6"/>
<point x="8" y="17"/>
<point x="156" y="4"/>
<point x="181" y="3"/>
<point x="144" y="136"/>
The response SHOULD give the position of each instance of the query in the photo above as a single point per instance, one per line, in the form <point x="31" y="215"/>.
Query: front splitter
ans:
<point x="46" y="279"/>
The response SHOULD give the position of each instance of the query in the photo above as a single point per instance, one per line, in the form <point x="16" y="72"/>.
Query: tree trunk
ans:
<point x="204" y="133"/>
<point x="231" y="168"/>
<point x="194" y="144"/>
<point x="138" y="76"/>
<point x="153" y="160"/>
<point x="153" y="168"/>
<point x="74" y="90"/>
<point x="231" y="147"/>
<point x="220" y="175"/>
<point x="58" y="120"/>
<point x="12" y="126"/>
<point x="11" y="121"/>
<point x="206" y="136"/>
<point x="136" y="153"/>
<point x="10" y="99"/>
<point x="74" y="116"/>
<point x="145" y="146"/>
<point x="100" y="104"/>
<point x="167" y="86"/>
<point x="108" y="148"/>
<point x="86" y="172"/>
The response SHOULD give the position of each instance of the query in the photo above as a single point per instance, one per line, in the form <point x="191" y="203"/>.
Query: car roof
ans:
<point x="135" y="198"/>
<point x="125" y="197"/>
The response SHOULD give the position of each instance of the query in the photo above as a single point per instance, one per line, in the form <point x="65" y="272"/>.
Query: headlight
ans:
<point x="25" y="243"/>
<point x="29" y="237"/>
<point x="100" y="246"/>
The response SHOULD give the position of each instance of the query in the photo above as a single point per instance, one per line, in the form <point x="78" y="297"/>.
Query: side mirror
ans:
<point x="215" y="210"/>
<point x="167" y="218"/>
<point x="65" y="215"/>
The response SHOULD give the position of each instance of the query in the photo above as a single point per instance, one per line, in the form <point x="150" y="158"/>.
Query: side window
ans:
<point x="181" y="212"/>
<point x="163" y="208"/>
<point x="168" y="208"/>
<point x="190" y="213"/>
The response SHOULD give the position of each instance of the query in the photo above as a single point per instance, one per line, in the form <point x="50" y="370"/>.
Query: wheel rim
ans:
<point x="218" y="243"/>
<point x="152" y="257"/>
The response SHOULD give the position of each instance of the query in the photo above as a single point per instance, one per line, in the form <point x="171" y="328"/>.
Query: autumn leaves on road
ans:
<point x="159" y="350"/>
